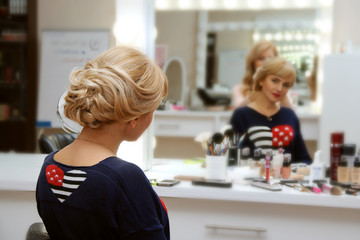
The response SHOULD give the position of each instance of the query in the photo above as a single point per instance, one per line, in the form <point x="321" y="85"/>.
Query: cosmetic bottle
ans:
<point x="262" y="166"/>
<point x="276" y="164"/>
<point x="267" y="165"/>
<point x="343" y="171"/>
<point x="232" y="156"/>
<point x="317" y="168"/>
<point x="355" y="171"/>
<point x="337" y="139"/>
<point x="348" y="151"/>
<point x="245" y="155"/>
<point x="257" y="157"/>
<point x="286" y="167"/>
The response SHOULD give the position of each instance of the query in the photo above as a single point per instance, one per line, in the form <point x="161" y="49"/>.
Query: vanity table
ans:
<point x="245" y="212"/>
<point x="196" y="212"/>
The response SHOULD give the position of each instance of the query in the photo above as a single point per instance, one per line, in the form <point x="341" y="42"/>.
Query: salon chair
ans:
<point x="52" y="142"/>
<point x="37" y="231"/>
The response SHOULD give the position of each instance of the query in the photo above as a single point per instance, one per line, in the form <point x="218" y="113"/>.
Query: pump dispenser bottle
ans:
<point x="317" y="169"/>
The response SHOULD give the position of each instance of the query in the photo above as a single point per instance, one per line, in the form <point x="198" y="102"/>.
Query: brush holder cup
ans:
<point x="216" y="167"/>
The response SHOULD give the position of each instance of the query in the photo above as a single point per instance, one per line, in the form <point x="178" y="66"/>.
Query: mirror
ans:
<point x="214" y="43"/>
<point x="175" y="71"/>
<point x="66" y="124"/>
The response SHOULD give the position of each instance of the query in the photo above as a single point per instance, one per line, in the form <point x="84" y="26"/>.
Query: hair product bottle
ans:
<point x="337" y="139"/>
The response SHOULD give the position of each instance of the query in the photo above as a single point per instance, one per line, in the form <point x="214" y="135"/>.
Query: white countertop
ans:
<point x="240" y="191"/>
<point x="19" y="172"/>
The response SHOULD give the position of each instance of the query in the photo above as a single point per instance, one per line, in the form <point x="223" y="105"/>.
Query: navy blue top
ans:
<point x="282" y="130"/>
<point x="110" y="200"/>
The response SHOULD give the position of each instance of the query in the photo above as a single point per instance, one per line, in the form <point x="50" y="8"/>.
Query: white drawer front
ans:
<point x="182" y="127"/>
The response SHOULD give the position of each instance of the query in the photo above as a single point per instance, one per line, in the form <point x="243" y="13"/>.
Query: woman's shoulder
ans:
<point x="243" y="109"/>
<point x="120" y="166"/>
<point x="288" y="112"/>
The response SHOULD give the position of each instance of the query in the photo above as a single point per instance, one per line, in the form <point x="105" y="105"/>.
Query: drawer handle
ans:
<point x="223" y="227"/>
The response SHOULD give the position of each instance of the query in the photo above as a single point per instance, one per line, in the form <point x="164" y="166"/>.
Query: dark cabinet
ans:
<point x="18" y="75"/>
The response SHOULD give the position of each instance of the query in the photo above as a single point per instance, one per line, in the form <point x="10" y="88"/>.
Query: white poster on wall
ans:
<point x="61" y="51"/>
<point x="231" y="67"/>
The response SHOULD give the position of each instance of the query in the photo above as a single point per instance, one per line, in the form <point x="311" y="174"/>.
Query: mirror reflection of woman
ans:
<point x="257" y="56"/>
<point x="267" y="124"/>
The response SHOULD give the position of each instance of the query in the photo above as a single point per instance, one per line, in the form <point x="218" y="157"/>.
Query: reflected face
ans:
<point x="268" y="53"/>
<point x="275" y="88"/>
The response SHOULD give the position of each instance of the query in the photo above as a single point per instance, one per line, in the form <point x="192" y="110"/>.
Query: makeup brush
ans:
<point x="202" y="138"/>
<point x="210" y="146"/>
<point x="241" y="139"/>
<point x="217" y="137"/>
<point x="229" y="133"/>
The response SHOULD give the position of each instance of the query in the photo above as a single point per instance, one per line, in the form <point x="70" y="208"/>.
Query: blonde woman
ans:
<point x="267" y="124"/>
<point x="84" y="191"/>
<point x="243" y="93"/>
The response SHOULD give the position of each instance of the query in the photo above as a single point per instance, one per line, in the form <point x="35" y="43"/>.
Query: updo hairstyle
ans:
<point x="121" y="84"/>
<point x="277" y="66"/>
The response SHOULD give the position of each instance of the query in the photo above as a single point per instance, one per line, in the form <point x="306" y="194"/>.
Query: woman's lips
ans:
<point x="276" y="95"/>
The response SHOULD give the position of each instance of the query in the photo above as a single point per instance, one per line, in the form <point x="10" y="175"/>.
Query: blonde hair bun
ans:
<point x="121" y="84"/>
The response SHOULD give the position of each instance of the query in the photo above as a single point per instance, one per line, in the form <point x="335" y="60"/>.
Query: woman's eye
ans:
<point x="275" y="80"/>
<point x="286" y="85"/>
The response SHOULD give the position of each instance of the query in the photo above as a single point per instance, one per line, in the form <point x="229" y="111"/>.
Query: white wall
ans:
<point x="76" y="15"/>
<point x="341" y="97"/>
<point x="346" y="17"/>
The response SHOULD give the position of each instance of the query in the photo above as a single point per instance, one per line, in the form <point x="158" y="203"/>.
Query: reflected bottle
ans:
<point x="337" y="140"/>
<point x="286" y="167"/>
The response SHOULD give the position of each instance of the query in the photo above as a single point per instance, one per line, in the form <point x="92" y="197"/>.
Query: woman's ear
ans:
<point x="133" y="122"/>
<point x="261" y="82"/>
